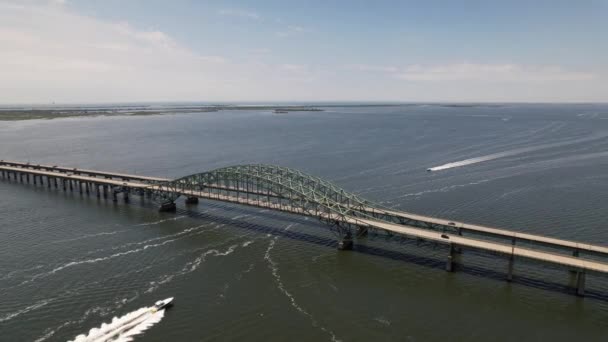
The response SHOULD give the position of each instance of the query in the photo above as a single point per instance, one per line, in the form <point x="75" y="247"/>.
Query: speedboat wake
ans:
<point x="124" y="328"/>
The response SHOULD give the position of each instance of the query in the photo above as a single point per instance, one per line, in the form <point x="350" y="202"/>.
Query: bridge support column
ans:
<point x="346" y="244"/>
<point x="361" y="231"/>
<point x="167" y="207"/>
<point x="105" y="191"/>
<point x="97" y="192"/>
<point x="449" y="264"/>
<point x="55" y="182"/>
<point x="510" y="268"/>
<point x="125" y="195"/>
<point x="71" y="185"/>
<point x="87" y="185"/>
<point x="192" y="200"/>
<point x="64" y="185"/>
<point x="458" y="250"/>
<point x="35" y="182"/>
<point x="580" y="283"/>
<point x="575" y="254"/>
<point x="511" y="261"/>
<point x="114" y="198"/>
<point x="79" y="184"/>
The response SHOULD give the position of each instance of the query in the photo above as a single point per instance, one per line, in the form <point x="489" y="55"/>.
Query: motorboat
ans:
<point x="162" y="304"/>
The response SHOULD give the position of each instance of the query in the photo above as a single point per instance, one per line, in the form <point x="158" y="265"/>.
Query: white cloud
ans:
<point x="490" y="72"/>
<point x="239" y="13"/>
<point x="291" y="30"/>
<point x="372" y="68"/>
<point x="51" y="53"/>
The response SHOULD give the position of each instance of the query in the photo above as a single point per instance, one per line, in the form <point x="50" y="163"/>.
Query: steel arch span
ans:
<point x="270" y="186"/>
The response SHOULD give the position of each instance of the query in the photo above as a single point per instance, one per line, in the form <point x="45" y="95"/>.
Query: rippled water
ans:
<point x="69" y="262"/>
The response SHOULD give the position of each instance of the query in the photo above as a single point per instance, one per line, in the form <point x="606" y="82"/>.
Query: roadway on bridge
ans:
<point x="395" y="228"/>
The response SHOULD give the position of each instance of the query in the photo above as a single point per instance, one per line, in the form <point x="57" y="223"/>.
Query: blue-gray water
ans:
<point x="70" y="262"/>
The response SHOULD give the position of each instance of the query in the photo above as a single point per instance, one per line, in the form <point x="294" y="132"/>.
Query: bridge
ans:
<point x="292" y="191"/>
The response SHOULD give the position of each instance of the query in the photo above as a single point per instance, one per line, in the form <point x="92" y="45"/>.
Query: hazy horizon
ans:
<point x="296" y="103"/>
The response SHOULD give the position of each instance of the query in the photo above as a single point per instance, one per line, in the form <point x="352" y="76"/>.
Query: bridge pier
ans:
<point x="71" y="185"/>
<point x="575" y="254"/>
<point x="458" y="250"/>
<point x="510" y="268"/>
<point x="580" y="283"/>
<point x="511" y="261"/>
<point x="125" y="195"/>
<point x="449" y="264"/>
<point x="346" y="244"/>
<point x="35" y="182"/>
<point x="114" y="198"/>
<point x="192" y="200"/>
<point x="167" y="207"/>
<point x="64" y="185"/>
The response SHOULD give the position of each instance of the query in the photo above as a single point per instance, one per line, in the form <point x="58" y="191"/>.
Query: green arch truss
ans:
<point x="283" y="188"/>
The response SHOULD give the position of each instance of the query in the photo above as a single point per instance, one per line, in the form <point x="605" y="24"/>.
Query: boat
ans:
<point x="162" y="304"/>
<point x="429" y="169"/>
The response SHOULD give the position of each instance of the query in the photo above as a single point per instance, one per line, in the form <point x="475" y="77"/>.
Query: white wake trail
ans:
<point x="274" y="268"/>
<point x="124" y="328"/>
<point x="154" y="223"/>
<point x="514" y="152"/>
<point x="96" y="260"/>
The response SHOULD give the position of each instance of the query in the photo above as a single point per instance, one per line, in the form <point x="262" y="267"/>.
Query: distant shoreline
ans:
<point x="48" y="114"/>
<point x="41" y="112"/>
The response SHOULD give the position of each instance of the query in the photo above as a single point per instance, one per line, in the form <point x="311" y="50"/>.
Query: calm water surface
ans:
<point x="70" y="262"/>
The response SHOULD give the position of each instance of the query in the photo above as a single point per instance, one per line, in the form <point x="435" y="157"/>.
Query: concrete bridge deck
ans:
<point x="400" y="216"/>
<point x="77" y="171"/>
<point x="574" y="246"/>
<point x="452" y="240"/>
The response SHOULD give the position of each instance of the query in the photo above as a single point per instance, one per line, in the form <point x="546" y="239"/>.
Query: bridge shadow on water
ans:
<point x="365" y="247"/>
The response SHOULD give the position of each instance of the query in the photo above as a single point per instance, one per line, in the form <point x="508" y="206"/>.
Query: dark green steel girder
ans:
<point x="298" y="189"/>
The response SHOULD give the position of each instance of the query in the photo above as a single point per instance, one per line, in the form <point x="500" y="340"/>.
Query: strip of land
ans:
<point x="9" y="114"/>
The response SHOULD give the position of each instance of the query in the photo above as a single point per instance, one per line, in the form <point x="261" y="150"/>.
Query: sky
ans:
<point x="88" y="51"/>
